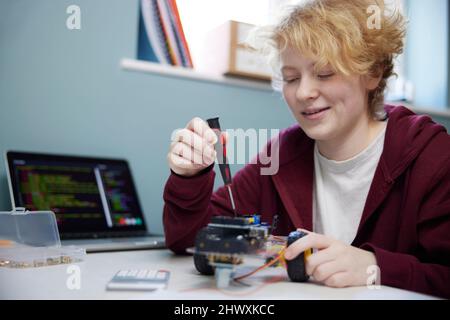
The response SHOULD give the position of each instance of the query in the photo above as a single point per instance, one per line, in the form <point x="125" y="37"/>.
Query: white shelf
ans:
<point x="179" y="72"/>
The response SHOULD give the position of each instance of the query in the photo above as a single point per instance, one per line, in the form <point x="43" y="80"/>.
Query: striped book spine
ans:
<point x="169" y="33"/>
<point x="183" y="45"/>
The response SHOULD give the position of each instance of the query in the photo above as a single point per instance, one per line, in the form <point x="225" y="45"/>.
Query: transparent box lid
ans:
<point x="32" y="228"/>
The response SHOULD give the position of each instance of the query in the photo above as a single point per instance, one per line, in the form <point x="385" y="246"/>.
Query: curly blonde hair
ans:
<point x="339" y="33"/>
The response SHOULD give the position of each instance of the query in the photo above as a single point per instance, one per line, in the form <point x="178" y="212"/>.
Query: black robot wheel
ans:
<point x="296" y="267"/>
<point x="202" y="264"/>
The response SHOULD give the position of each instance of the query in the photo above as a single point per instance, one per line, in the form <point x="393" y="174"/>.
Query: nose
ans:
<point x="306" y="90"/>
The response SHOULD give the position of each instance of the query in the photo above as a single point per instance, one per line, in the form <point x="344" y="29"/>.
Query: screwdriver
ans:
<point x="221" y="150"/>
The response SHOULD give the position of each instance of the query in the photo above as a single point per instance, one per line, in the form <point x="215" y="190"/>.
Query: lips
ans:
<point x="314" y="111"/>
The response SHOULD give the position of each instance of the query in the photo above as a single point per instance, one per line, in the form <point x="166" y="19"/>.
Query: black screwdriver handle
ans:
<point x="221" y="150"/>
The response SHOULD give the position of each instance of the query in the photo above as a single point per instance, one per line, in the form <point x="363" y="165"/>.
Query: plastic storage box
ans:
<point x="30" y="239"/>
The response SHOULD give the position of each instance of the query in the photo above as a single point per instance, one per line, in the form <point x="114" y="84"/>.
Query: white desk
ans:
<point x="185" y="282"/>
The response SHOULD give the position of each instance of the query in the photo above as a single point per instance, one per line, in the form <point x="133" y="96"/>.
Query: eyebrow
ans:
<point x="294" y="68"/>
<point x="288" y="68"/>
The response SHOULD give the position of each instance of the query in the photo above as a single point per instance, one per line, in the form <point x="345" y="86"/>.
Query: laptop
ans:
<point x="94" y="199"/>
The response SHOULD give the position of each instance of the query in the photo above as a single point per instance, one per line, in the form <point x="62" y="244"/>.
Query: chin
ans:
<point x="317" y="133"/>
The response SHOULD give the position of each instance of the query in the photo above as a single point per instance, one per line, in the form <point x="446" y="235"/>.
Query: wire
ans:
<point x="279" y="257"/>
<point x="279" y="238"/>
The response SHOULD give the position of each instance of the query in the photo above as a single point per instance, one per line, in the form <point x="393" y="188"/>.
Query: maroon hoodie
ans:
<point x="406" y="218"/>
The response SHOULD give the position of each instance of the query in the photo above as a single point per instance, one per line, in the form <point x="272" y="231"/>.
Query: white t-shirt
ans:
<point x="341" y="188"/>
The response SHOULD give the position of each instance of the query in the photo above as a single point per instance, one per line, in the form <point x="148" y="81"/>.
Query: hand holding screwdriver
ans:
<point x="192" y="148"/>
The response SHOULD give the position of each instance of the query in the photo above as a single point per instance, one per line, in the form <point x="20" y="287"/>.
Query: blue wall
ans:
<point x="427" y="52"/>
<point x="63" y="91"/>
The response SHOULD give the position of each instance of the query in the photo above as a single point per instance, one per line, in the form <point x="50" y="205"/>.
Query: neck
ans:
<point x="350" y="144"/>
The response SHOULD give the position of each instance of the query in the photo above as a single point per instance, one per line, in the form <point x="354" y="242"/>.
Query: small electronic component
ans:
<point x="21" y="257"/>
<point x="6" y="243"/>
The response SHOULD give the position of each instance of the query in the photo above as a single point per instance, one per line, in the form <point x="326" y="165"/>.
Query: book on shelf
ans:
<point x="186" y="55"/>
<point x="152" y="35"/>
<point x="161" y="35"/>
<point x="169" y="32"/>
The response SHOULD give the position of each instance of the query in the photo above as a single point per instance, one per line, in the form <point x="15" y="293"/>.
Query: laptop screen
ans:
<point x="89" y="196"/>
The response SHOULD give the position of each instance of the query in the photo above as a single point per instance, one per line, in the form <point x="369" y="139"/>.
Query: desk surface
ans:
<point x="185" y="282"/>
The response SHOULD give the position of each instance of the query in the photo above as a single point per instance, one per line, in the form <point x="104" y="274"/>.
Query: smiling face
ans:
<point x="326" y="104"/>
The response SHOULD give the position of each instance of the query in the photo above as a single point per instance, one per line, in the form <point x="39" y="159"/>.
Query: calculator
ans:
<point x="139" y="279"/>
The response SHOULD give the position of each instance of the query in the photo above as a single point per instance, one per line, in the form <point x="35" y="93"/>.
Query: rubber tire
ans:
<point x="202" y="265"/>
<point x="296" y="269"/>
